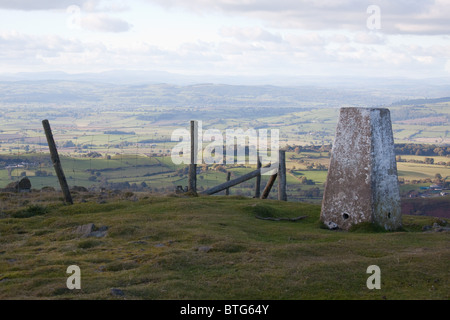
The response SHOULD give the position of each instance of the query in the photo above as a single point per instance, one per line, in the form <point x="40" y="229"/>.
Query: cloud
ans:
<point x="85" y="5"/>
<point x="31" y="5"/>
<point x="369" y="38"/>
<point x="447" y="66"/>
<point x="397" y="17"/>
<point x="103" y="23"/>
<point x="306" y="40"/>
<point x="250" y="34"/>
<point x="30" y="52"/>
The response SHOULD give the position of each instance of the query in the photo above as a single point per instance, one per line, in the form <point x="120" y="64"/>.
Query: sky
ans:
<point x="289" y="38"/>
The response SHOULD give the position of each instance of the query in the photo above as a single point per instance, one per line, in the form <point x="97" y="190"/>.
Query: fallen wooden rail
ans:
<point x="281" y="219"/>
<point x="232" y="183"/>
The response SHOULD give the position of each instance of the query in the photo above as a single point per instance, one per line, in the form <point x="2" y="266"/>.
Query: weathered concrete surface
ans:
<point x="362" y="182"/>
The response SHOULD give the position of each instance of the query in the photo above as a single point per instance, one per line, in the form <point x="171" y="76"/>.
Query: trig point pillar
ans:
<point x="362" y="182"/>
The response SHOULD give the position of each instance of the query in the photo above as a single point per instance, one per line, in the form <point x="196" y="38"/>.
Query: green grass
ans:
<point x="153" y="250"/>
<point x="411" y="171"/>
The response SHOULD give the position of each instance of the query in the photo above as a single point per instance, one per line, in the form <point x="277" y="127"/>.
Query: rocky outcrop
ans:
<point x="23" y="185"/>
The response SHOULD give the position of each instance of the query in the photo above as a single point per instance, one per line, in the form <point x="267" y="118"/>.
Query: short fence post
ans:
<point x="227" y="190"/>
<point x="269" y="185"/>
<point x="56" y="162"/>
<point x="282" y="195"/>
<point x="258" y="180"/>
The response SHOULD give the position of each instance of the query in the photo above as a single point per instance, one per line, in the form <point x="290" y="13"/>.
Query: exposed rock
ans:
<point x="436" y="227"/>
<point x="79" y="189"/>
<point x="24" y="185"/>
<point x="89" y="230"/>
<point x="204" y="248"/>
<point x="331" y="225"/>
<point x="85" y="229"/>
<point x="117" y="292"/>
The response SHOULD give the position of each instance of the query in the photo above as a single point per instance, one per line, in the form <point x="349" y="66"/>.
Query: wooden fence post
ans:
<point x="56" y="162"/>
<point x="282" y="195"/>
<point x="258" y="179"/>
<point x="227" y="190"/>
<point x="192" y="180"/>
<point x="269" y="185"/>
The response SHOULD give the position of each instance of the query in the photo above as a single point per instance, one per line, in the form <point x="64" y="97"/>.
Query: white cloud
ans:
<point x="447" y="66"/>
<point x="250" y="34"/>
<point x="103" y="23"/>
<point x="369" y="38"/>
<point x="85" y="5"/>
<point x="397" y="17"/>
<point x="31" y="5"/>
<point x="338" y="38"/>
<point x="306" y="39"/>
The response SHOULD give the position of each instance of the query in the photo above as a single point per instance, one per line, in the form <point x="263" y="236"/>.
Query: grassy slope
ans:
<point x="151" y="252"/>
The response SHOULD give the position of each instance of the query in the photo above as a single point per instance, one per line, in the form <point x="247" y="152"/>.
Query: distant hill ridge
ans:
<point x="421" y="101"/>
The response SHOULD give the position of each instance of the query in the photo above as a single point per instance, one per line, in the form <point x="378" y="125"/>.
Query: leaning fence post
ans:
<point x="192" y="180"/>
<point x="56" y="162"/>
<point x="269" y="185"/>
<point x="282" y="176"/>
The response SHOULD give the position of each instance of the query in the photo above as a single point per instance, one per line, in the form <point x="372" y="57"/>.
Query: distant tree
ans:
<point x="321" y="167"/>
<point x="68" y="144"/>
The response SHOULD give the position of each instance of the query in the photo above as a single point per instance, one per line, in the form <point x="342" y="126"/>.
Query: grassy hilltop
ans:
<point x="175" y="247"/>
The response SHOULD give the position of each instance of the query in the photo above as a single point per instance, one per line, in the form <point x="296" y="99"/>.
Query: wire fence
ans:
<point x="107" y="161"/>
<point x="89" y="160"/>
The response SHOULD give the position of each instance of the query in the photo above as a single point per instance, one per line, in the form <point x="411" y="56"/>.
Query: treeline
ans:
<point x="422" y="149"/>
<point x="415" y="102"/>
<point x="298" y="149"/>
<point x="400" y="149"/>
<point x="119" y="132"/>
<point x="425" y="161"/>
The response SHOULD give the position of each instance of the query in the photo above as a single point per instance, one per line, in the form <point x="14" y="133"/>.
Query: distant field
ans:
<point x="134" y="144"/>
<point x="416" y="171"/>
<point x="158" y="173"/>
